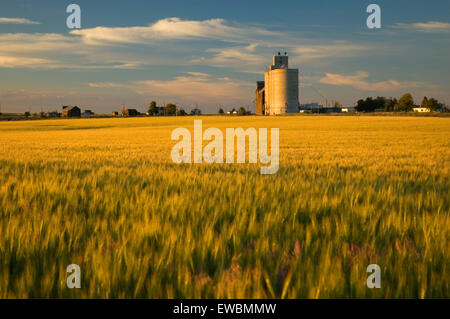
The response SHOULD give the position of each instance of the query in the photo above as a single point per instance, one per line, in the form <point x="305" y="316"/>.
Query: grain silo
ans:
<point x="281" y="87"/>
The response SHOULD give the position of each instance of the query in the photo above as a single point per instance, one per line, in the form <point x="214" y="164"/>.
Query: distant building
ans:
<point x="311" y="108"/>
<point x="130" y="112"/>
<point x="71" y="111"/>
<point x="331" y="110"/>
<point x="115" y="113"/>
<point x="317" y="108"/>
<point x="196" y="112"/>
<point x="87" y="113"/>
<point x="422" y="109"/>
<point x="348" y="109"/>
<point x="53" y="114"/>
<point x="280" y="88"/>
<point x="260" y="98"/>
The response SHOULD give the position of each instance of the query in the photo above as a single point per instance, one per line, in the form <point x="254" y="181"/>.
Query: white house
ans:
<point x="421" y="110"/>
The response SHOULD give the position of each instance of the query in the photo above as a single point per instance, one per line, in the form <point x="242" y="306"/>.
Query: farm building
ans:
<point x="278" y="94"/>
<point x="260" y="98"/>
<point x="130" y="112"/>
<point x="87" y="113"/>
<point x="71" y="111"/>
<point x="422" y="110"/>
<point x="196" y="112"/>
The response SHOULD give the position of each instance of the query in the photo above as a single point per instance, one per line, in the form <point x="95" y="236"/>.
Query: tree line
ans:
<point x="169" y="109"/>
<point x="404" y="104"/>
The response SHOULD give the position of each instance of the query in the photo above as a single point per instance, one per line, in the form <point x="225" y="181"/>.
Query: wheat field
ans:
<point x="104" y="194"/>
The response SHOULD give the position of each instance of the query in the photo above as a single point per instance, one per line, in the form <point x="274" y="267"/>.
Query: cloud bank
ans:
<point x="359" y="81"/>
<point x="17" y="21"/>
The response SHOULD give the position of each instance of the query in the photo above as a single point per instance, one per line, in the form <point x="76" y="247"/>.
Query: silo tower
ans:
<point x="281" y="87"/>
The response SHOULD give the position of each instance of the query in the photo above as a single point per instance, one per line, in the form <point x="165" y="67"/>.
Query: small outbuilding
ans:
<point x="87" y="113"/>
<point x="196" y="112"/>
<point x="130" y="112"/>
<point x="422" y="110"/>
<point x="71" y="111"/>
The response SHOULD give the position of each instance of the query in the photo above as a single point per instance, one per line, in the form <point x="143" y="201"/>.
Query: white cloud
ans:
<point x="239" y="58"/>
<point x="359" y="81"/>
<point x="335" y="50"/>
<point x="106" y="85"/>
<point x="172" y="29"/>
<point x="50" y="50"/>
<point x="17" y="21"/>
<point x="199" y="74"/>
<point x="245" y="48"/>
<point x="427" y="27"/>
<point x="23" y="62"/>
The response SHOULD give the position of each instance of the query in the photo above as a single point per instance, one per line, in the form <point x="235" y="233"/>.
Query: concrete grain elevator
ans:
<point x="280" y="89"/>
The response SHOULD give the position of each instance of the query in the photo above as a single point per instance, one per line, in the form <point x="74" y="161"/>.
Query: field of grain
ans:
<point x="104" y="194"/>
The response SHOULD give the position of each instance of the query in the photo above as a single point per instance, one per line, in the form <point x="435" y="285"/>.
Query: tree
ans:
<point x="170" y="109"/>
<point x="379" y="103"/>
<point x="337" y="105"/>
<point x="242" y="111"/>
<point x="425" y="102"/>
<point x="395" y="102"/>
<point x="406" y="102"/>
<point x="181" y="112"/>
<point x="153" y="109"/>
<point x="221" y="111"/>
<point x="390" y="105"/>
<point x="27" y="114"/>
<point x="433" y="104"/>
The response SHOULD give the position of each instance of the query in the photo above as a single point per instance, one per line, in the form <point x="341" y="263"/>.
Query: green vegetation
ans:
<point x="404" y="104"/>
<point x="103" y="194"/>
<point x="432" y="104"/>
<point x="170" y="109"/>
<point x="153" y="109"/>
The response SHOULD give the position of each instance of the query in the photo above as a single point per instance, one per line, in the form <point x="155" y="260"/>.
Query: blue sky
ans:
<point x="210" y="53"/>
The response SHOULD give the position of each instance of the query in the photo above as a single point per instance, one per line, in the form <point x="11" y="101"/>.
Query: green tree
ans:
<point x="406" y="102"/>
<point x="221" y="111"/>
<point x="390" y="105"/>
<point x="153" y="109"/>
<point x="27" y="114"/>
<point x="181" y="112"/>
<point x="433" y="104"/>
<point x="395" y="102"/>
<point x="337" y="105"/>
<point x="242" y="111"/>
<point x="425" y="102"/>
<point x="170" y="109"/>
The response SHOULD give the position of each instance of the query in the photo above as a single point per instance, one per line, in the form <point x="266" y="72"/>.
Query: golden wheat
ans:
<point x="104" y="194"/>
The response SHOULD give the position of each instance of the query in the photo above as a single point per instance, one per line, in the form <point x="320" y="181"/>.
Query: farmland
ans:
<point x="105" y="194"/>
